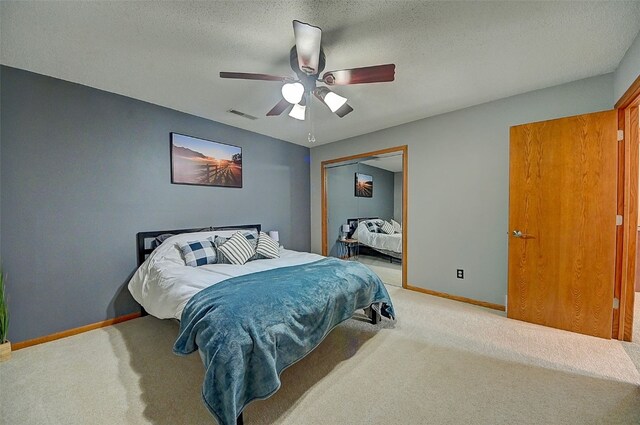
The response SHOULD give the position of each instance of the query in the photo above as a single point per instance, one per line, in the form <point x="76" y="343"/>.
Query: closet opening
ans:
<point x="364" y="214"/>
<point x="625" y="318"/>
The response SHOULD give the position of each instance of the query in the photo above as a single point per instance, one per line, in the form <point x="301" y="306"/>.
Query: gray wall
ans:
<point x="628" y="69"/>
<point x="458" y="184"/>
<point x="342" y="203"/>
<point x="397" y="197"/>
<point x="84" y="170"/>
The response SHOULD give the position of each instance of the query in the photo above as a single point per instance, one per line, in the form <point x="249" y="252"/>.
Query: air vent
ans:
<point x="242" y="114"/>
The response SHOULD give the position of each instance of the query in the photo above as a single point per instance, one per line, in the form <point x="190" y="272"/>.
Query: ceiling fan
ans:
<point x="307" y="61"/>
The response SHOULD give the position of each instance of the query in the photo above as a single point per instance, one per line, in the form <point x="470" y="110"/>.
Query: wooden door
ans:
<point x="562" y="223"/>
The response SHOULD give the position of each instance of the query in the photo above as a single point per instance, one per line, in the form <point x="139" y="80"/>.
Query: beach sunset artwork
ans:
<point x="205" y="163"/>
<point x="364" y="185"/>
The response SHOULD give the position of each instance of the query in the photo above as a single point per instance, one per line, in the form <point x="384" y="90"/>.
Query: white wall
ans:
<point x="628" y="70"/>
<point x="459" y="184"/>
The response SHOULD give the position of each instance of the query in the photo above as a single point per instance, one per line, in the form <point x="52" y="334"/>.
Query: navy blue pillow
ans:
<point x="372" y="227"/>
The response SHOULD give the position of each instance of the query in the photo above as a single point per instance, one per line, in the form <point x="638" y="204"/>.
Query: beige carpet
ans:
<point x="389" y="273"/>
<point x="443" y="363"/>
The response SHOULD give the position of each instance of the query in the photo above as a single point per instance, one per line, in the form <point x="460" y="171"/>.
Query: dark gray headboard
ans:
<point x="143" y="238"/>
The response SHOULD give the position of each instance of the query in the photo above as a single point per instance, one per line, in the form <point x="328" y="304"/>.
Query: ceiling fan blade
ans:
<point x="308" y="46"/>
<point x="252" y="76"/>
<point x="369" y="74"/>
<point x="279" y="108"/>
<point x="321" y="93"/>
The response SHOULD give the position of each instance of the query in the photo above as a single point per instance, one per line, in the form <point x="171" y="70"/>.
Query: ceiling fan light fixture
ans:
<point x="293" y="92"/>
<point x="334" y="101"/>
<point x="298" y="112"/>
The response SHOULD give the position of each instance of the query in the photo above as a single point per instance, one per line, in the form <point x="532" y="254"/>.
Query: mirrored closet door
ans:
<point x="364" y="206"/>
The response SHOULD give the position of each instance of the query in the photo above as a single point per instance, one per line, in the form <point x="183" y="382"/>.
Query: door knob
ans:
<point x="520" y="235"/>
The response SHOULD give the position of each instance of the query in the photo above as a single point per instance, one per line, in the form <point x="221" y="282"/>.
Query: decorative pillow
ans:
<point x="158" y="240"/>
<point x="237" y="249"/>
<point x="252" y="237"/>
<point x="387" y="228"/>
<point x="372" y="227"/>
<point x="198" y="253"/>
<point x="217" y="242"/>
<point x="396" y="226"/>
<point x="267" y="247"/>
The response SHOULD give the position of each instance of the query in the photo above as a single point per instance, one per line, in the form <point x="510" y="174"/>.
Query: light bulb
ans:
<point x="334" y="101"/>
<point x="298" y="112"/>
<point x="292" y="92"/>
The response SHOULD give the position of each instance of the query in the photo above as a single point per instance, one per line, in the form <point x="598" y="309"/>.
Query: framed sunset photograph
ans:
<point x="203" y="162"/>
<point x="364" y="185"/>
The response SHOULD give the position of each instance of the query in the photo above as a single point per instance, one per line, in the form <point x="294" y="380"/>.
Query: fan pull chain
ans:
<point x="311" y="138"/>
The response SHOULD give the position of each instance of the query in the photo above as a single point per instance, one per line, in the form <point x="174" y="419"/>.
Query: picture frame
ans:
<point x="363" y="186"/>
<point x="201" y="162"/>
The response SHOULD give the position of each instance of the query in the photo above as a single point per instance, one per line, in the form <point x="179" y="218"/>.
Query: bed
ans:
<point x="376" y="244"/>
<point x="249" y="322"/>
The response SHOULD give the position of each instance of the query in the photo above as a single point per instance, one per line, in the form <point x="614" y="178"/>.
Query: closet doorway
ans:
<point x="364" y="211"/>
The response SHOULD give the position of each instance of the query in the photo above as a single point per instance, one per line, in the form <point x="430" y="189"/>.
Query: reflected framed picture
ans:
<point x="364" y="185"/>
<point x="202" y="162"/>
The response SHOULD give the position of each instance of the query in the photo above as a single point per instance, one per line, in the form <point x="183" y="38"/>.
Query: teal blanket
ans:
<point x="250" y="328"/>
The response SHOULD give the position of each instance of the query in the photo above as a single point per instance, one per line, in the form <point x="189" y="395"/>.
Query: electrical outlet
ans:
<point x="460" y="274"/>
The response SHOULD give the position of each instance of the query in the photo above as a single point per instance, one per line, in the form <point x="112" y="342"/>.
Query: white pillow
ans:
<point x="396" y="226"/>
<point x="237" y="249"/>
<point x="387" y="228"/>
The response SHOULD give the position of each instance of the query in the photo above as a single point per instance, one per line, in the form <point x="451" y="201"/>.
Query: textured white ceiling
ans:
<point x="449" y="55"/>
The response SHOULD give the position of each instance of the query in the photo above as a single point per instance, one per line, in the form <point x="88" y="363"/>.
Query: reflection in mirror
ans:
<point x="364" y="213"/>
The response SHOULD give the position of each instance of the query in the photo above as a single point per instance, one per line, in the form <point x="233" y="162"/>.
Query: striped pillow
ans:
<point x="217" y="242"/>
<point x="237" y="249"/>
<point x="387" y="228"/>
<point x="198" y="253"/>
<point x="252" y="238"/>
<point x="267" y="247"/>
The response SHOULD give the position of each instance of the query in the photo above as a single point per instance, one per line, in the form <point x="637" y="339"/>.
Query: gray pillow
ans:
<point x="159" y="239"/>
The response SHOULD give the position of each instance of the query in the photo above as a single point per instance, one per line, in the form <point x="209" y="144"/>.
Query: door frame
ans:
<point x="405" y="178"/>
<point x="626" y="238"/>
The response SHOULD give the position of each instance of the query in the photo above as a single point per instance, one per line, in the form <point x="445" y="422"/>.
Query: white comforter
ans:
<point x="164" y="284"/>
<point x="379" y="240"/>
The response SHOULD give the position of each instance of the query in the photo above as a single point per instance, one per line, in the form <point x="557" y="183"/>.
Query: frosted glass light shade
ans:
<point x="334" y="101"/>
<point x="292" y="92"/>
<point x="298" y="112"/>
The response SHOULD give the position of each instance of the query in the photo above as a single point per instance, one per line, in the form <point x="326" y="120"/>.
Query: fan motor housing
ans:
<point x="308" y="81"/>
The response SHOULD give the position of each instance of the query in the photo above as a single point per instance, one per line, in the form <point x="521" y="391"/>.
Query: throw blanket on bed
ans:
<point x="250" y="328"/>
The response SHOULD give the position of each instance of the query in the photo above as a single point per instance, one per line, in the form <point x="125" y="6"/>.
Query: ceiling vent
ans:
<point x="242" y="114"/>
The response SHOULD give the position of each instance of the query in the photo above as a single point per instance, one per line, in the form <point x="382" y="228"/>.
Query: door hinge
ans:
<point x="616" y="303"/>
<point x="620" y="135"/>
<point x="618" y="220"/>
